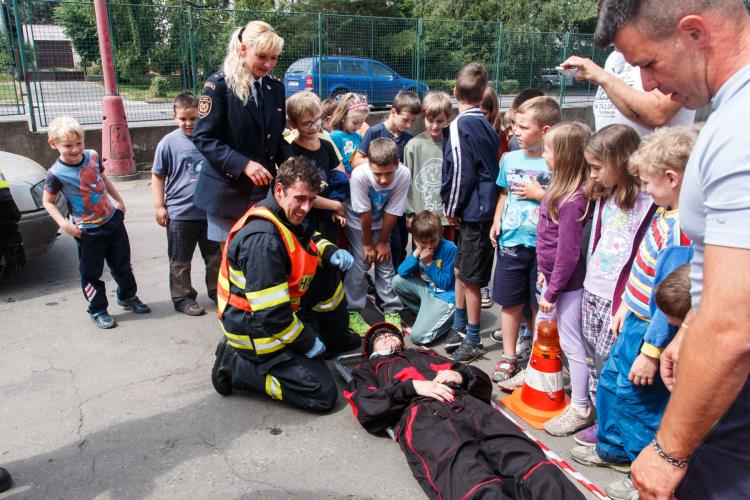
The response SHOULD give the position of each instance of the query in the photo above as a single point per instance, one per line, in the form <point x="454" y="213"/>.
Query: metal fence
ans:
<point x="49" y="56"/>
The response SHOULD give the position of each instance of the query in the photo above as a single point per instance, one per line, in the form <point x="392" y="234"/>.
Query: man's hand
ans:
<point x="72" y="230"/>
<point x="370" y="253"/>
<point x="342" y="259"/>
<point x="257" y="173"/>
<point x="669" y="358"/>
<point x="162" y="216"/>
<point x="643" y="370"/>
<point x="383" y="252"/>
<point x="530" y="191"/>
<point x="654" y="477"/>
<point x="546" y="307"/>
<point x="448" y="377"/>
<point x="434" y="390"/>
<point x="618" y="319"/>
<point x="587" y="69"/>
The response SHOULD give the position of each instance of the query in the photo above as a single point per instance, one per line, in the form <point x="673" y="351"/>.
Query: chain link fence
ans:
<point x="50" y="63"/>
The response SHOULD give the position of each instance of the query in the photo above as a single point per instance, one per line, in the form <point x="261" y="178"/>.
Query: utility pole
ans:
<point x="117" y="147"/>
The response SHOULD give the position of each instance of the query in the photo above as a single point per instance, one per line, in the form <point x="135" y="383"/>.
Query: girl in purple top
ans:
<point x="561" y="262"/>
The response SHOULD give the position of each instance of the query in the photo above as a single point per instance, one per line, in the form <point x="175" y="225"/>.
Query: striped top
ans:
<point x="664" y="231"/>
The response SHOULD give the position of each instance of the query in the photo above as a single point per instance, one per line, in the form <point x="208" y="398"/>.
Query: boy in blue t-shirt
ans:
<point x="177" y="163"/>
<point x="97" y="225"/>
<point x="426" y="282"/>
<point x="523" y="177"/>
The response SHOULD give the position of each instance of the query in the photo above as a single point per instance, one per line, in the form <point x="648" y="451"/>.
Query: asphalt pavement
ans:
<point x="131" y="413"/>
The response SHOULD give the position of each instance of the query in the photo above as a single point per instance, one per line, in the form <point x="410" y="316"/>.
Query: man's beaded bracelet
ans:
<point x="665" y="456"/>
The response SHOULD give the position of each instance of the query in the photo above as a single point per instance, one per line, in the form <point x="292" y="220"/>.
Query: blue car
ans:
<point x="340" y="75"/>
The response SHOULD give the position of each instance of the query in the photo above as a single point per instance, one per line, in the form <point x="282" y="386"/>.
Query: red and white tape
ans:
<point x="555" y="458"/>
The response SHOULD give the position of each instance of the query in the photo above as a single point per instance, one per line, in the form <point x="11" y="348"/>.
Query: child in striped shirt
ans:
<point x="631" y="396"/>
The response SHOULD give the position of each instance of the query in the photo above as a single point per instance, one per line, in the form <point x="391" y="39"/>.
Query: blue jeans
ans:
<point x="434" y="315"/>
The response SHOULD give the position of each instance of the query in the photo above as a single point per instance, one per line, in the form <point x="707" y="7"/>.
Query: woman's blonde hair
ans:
<point x="256" y="35"/>
<point x="613" y="146"/>
<point x="348" y="102"/>
<point x="568" y="141"/>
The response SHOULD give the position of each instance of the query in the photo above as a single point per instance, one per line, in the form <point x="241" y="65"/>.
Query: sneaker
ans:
<point x="514" y="382"/>
<point x="569" y="421"/>
<point x="497" y="336"/>
<point x="588" y="456"/>
<point x="587" y="437"/>
<point x="394" y="318"/>
<point x="622" y="489"/>
<point x="505" y="369"/>
<point x="134" y="304"/>
<point x="454" y="339"/>
<point x="486" y="298"/>
<point x="220" y="373"/>
<point x="103" y="320"/>
<point x="467" y="352"/>
<point x="190" y="307"/>
<point x="523" y="349"/>
<point x="357" y="323"/>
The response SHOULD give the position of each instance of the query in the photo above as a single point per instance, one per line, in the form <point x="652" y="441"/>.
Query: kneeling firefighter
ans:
<point x="280" y="299"/>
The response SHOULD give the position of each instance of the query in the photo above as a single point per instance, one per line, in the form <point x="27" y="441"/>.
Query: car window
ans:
<point x="380" y="70"/>
<point x="301" y="66"/>
<point x="330" y="68"/>
<point x="354" y="68"/>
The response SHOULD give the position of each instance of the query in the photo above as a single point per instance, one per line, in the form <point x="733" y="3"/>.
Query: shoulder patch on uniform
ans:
<point x="204" y="106"/>
<point x="271" y="77"/>
<point x="209" y="85"/>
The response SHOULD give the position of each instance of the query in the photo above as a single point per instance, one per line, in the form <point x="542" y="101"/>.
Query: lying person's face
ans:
<point x="386" y="342"/>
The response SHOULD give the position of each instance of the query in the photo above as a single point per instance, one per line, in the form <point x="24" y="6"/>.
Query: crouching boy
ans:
<point x="426" y="282"/>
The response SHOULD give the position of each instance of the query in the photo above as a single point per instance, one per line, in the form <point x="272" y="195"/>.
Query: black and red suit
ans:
<point x="461" y="449"/>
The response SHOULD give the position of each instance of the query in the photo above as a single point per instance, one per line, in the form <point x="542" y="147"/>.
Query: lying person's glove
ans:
<point x="342" y="259"/>
<point x="317" y="349"/>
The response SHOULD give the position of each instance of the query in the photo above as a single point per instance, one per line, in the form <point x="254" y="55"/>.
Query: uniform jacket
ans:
<point x="470" y="168"/>
<point x="258" y="252"/>
<point x="382" y="390"/>
<point x="229" y="134"/>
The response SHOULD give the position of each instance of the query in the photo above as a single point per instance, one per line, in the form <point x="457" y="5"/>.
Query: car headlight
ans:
<point x="37" y="193"/>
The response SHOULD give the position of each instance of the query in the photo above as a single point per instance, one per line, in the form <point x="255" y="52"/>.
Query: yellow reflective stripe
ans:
<point x="333" y="302"/>
<point x="291" y="332"/>
<point x="263" y="345"/>
<point x="223" y="282"/>
<point x="237" y="277"/>
<point x="273" y="387"/>
<point x="322" y="244"/>
<point x="268" y="297"/>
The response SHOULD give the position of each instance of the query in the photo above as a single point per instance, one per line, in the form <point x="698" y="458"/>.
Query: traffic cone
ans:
<point x="542" y="396"/>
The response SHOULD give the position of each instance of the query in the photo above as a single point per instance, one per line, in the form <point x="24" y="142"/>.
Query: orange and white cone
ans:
<point x="542" y="396"/>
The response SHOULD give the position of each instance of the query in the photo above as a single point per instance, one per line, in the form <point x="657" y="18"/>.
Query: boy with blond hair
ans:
<point x="523" y="178"/>
<point x="174" y="175"/>
<point x="304" y="116"/>
<point x="423" y="156"/>
<point x="631" y="396"/>
<point x="97" y="225"/>
<point x="469" y="194"/>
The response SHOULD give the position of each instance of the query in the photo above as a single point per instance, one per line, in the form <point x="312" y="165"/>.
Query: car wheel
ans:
<point x="338" y="93"/>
